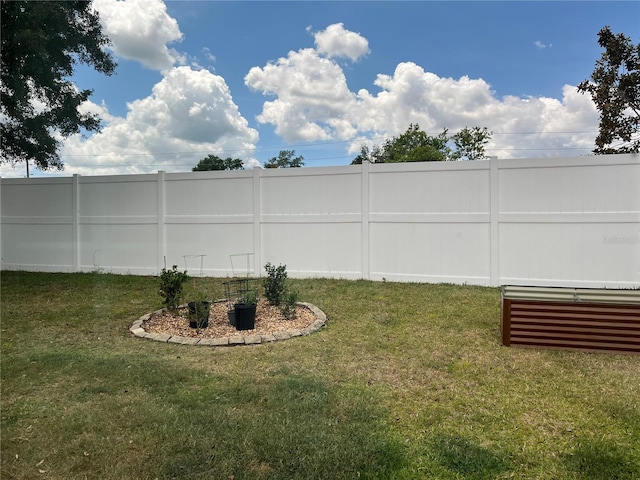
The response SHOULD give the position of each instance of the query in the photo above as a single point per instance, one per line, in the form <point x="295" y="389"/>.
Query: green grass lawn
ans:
<point x="406" y="381"/>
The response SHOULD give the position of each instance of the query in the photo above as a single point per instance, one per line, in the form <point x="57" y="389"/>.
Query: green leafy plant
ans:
<point x="250" y="297"/>
<point x="198" y="309"/>
<point x="171" y="284"/>
<point x="276" y="290"/>
<point x="198" y="313"/>
<point x="275" y="284"/>
<point x="288" y="308"/>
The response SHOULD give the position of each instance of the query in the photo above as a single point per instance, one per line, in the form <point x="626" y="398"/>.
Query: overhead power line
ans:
<point x="316" y="144"/>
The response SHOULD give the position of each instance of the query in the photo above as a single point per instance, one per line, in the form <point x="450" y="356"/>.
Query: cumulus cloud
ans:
<point x="141" y="30"/>
<point x="312" y="102"/>
<point x="335" y="41"/>
<point x="522" y="125"/>
<point x="189" y="114"/>
<point x="312" y="96"/>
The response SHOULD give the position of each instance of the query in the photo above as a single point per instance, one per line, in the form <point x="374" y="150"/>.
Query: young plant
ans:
<point x="199" y="313"/>
<point x="250" y="297"/>
<point x="171" y="282"/>
<point x="275" y="284"/>
<point x="288" y="309"/>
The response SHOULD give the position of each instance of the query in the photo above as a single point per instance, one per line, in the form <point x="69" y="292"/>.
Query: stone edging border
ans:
<point x="320" y="321"/>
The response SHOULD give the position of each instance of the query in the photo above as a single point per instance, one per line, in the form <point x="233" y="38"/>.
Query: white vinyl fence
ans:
<point x="551" y="222"/>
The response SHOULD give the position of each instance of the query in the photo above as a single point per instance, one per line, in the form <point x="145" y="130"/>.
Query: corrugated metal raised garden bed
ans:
<point x="571" y="318"/>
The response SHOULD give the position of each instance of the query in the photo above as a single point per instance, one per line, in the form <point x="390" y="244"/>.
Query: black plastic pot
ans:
<point x="199" y="314"/>
<point x="232" y="317"/>
<point x="245" y="316"/>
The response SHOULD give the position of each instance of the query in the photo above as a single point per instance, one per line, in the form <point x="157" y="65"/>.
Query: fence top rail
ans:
<point x="552" y="162"/>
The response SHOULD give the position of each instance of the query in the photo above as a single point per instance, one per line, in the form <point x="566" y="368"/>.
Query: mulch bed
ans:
<point x="269" y="320"/>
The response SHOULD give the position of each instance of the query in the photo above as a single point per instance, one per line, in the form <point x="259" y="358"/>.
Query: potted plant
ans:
<point x="234" y="290"/>
<point x="199" y="311"/>
<point x="245" y="310"/>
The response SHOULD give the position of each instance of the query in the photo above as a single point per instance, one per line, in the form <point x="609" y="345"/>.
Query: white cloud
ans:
<point x="313" y="103"/>
<point x="335" y="41"/>
<point x="208" y="55"/>
<point x="541" y="45"/>
<point x="141" y="30"/>
<point x="521" y="125"/>
<point x="189" y="114"/>
<point x="312" y="96"/>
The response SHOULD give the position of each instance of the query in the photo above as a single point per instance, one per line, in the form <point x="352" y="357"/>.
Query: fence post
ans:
<point x="257" y="220"/>
<point x="364" y="172"/>
<point x="494" y="240"/>
<point x="161" y="209"/>
<point x="75" y="215"/>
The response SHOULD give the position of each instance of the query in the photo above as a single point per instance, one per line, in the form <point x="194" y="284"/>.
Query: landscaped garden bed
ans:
<point x="269" y="320"/>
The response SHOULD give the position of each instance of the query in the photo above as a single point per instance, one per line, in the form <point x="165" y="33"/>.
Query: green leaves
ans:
<point x="285" y="159"/>
<point x="213" y="162"/>
<point x="614" y="87"/>
<point x="41" y="43"/>
<point x="415" y="145"/>
<point x="470" y="142"/>
<point x="275" y="284"/>
<point x="171" y="283"/>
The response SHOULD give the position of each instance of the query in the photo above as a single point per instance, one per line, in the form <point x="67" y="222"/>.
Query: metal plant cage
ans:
<point x="238" y="289"/>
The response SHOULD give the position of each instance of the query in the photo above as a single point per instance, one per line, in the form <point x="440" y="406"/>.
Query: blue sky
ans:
<point x="247" y="79"/>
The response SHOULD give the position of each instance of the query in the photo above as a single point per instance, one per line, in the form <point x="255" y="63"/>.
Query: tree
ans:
<point x="41" y="44"/>
<point x="285" y="159"/>
<point x="614" y="87"/>
<point x="469" y="143"/>
<point x="415" y="145"/>
<point x="213" y="162"/>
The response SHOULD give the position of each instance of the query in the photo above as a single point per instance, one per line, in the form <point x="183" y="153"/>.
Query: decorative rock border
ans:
<point x="320" y="321"/>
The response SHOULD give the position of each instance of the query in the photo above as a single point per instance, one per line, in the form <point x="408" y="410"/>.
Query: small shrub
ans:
<point x="198" y="313"/>
<point x="171" y="282"/>
<point x="275" y="284"/>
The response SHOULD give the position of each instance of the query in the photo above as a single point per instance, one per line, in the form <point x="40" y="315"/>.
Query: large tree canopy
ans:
<point x="41" y="44"/>
<point x="614" y="87"/>
<point x="213" y="162"/>
<point x="415" y="145"/>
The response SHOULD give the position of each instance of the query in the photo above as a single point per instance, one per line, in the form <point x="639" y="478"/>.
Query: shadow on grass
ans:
<point x="288" y="427"/>
<point x="143" y="417"/>
<point x="598" y="459"/>
<point x="467" y="459"/>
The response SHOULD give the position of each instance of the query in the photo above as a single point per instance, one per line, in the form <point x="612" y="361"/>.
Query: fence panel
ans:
<point x="37" y="224"/>
<point x="211" y="214"/>
<point x="574" y="222"/>
<point x="118" y="223"/>
<point x="430" y="222"/>
<point x="311" y="220"/>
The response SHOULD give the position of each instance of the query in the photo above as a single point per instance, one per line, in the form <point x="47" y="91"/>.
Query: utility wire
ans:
<point x="317" y="144"/>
